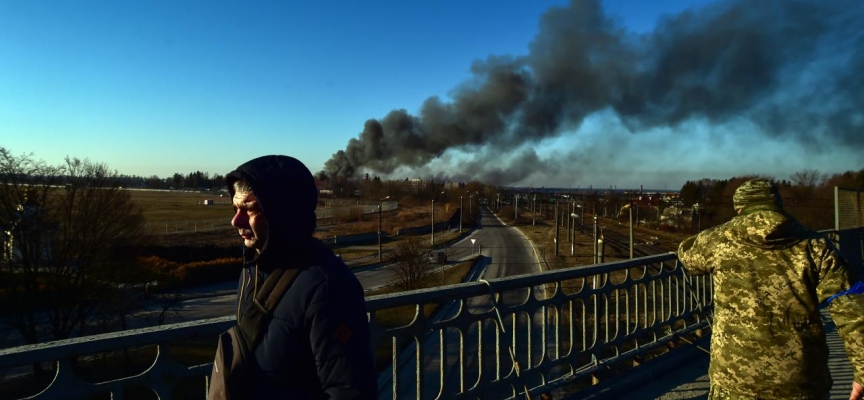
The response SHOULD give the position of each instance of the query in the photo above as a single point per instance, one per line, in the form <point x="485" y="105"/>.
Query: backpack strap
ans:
<point x="278" y="282"/>
<point x="285" y="279"/>
<point x="275" y="286"/>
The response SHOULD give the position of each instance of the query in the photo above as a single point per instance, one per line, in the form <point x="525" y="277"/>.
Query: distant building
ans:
<point x="416" y="184"/>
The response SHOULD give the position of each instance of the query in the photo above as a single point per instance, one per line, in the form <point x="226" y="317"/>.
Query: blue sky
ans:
<point x="157" y="87"/>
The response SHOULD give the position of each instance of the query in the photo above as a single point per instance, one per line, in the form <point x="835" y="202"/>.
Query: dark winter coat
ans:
<point x="317" y="345"/>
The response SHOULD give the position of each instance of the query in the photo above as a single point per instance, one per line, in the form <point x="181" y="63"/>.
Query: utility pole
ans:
<point x="516" y="208"/>
<point x="461" y="209"/>
<point x="556" y="227"/>
<point x="631" y="232"/>
<point x="595" y="238"/>
<point x="433" y="222"/>
<point x="380" y="256"/>
<point x="380" y="253"/>
<point x="534" y="210"/>
<point x="568" y="224"/>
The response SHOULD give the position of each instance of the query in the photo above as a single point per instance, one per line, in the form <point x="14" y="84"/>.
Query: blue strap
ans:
<point x="857" y="288"/>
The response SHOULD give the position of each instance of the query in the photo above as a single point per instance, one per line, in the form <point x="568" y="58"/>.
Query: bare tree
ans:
<point x="809" y="178"/>
<point x="68" y="233"/>
<point x="412" y="264"/>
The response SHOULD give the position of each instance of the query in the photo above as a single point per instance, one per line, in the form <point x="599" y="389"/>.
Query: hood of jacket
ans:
<point x="288" y="196"/>
<point x="767" y="226"/>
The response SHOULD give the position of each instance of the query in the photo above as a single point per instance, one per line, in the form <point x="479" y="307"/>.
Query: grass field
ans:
<point x="171" y="212"/>
<point x="181" y="211"/>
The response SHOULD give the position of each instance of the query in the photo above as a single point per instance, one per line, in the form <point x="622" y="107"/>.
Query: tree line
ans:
<point x="195" y="180"/>
<point x="808" y="195"/>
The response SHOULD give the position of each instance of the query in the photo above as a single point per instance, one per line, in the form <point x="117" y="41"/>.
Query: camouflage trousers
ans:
<point x="716" y="393"/>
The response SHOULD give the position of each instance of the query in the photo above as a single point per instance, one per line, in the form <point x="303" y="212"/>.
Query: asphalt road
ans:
<point x="508" y="253"/>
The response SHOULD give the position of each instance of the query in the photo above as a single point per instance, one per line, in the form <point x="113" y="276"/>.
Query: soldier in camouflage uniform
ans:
<point x="770" y="275"/>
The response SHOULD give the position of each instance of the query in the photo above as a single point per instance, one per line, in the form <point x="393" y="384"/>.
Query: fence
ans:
<point x="188" y="226"/>
<point x="335" y="208"/>
<point x="848" y="208"/>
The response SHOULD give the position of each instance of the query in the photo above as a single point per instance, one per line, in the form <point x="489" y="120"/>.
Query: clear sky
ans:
<point x="670" y="92"/>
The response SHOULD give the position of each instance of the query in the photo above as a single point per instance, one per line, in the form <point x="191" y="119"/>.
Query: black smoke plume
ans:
<point x="791" y="68"/>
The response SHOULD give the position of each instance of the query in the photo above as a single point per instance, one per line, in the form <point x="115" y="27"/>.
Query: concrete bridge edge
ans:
<point x="627" y="384"/>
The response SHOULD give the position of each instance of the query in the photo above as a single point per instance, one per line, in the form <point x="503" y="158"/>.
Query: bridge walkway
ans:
<point x="685" y="375"/>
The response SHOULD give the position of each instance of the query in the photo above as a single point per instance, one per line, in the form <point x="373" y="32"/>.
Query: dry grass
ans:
<point x="391" y="221"/>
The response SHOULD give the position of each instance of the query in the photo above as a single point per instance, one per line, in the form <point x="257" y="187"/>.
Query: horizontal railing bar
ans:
<point x="471" y="289"/>
<point x="29" y="354"/>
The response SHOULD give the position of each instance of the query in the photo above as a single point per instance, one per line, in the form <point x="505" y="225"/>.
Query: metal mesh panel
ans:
<point x="848" y="208"/>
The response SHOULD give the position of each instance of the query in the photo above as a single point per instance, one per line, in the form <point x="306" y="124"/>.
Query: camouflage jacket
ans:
<point x="770" y="275"/>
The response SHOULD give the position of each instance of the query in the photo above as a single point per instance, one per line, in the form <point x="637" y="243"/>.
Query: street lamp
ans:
<point x="461" y="208"/>
<point x="534" y="210"/>
<point x="516" y="208"/>
<point x="573" y="217"/>
<point x="697" y="209"/>
<point x="433" y="222"/>
<point x="582" y="219"/>
<point x="556" y="227"/>
<point x="568" y="222"/>
<point x="596" y="236"/>
<point x="630" y="210"/>
<point x="433" y="218"/>
<point x="380" y="256"/>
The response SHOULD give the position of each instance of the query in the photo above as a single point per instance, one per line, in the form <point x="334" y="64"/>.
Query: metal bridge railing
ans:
<point x="161" y="376"/>
<point x="561" y="325"/>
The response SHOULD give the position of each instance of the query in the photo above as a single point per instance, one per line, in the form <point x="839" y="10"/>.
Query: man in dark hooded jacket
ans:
<point x="317" y="345"/>
<point x="770" y="275"/>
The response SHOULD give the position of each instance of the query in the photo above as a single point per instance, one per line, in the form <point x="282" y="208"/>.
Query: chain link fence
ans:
<point x="848" y="208"/>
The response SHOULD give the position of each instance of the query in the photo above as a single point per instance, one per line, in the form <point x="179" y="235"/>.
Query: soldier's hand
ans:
<point x="857" y="391"/>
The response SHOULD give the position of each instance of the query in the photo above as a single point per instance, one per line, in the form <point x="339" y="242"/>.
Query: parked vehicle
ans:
<point x="438" y="257"/>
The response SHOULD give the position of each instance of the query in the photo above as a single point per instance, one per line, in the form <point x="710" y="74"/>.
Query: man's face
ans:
<point x="250" y="220"/>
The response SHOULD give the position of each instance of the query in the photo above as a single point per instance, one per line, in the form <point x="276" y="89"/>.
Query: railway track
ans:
<point x="617" y="237"/>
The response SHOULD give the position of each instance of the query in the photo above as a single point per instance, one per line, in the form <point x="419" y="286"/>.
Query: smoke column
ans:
<point x="792" y="69"/>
